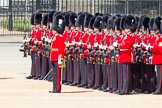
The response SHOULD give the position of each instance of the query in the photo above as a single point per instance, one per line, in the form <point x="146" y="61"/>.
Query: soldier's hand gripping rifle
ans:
<point x="47" y="46"/>
<point x="115" y="50"/>
<point x="95" y="50"/>
<point x="148" y="53"/>
<point x="67" y="49"/>
<point x="25" y="48"/>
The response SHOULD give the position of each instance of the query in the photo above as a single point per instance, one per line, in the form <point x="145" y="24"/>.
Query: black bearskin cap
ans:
<point x="67" y="17"/>
<point x="58" y="23"/>
<point x="37" y="18"/>
<point x="122" y="23"/>
<point x="98" y="22"/>
<point x="80" y="20"/>
<point x="32" y="19"/>
<point x="72" y="19"/>
<point x="145" y="22"/>
<point x="50" y="16"/>
<point x="91" y="22"/>
<point x="104" y="21"/>
<point x="117" y="23"/>
<point x="44" y="20"/>
<point x="151" y="23"/>
<point x="131" y="23"/>
<point x="111" y="23"/>
<point x="156" y="24"/>
<point x="56" y="13"/>
<point x="87" y="19"/>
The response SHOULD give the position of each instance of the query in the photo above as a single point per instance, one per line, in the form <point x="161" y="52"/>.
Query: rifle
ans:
<point x="25" y="48"/>
<point x="148" y="53"/>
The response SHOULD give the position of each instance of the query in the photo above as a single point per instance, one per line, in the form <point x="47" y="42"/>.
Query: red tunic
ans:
<point x="125" y="47"/>
<point x="57" y="47"/>
<point x="157" y="51"/>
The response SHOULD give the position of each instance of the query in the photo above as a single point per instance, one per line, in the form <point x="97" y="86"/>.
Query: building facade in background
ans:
<point x="15" y="14"/>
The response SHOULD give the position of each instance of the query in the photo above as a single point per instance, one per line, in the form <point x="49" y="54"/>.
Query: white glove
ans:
<point x="100" y="46"/>
<point x="104" y="47"/>
<point x="49" y="41"/>
<point x="73" y="42"/>
<point x="24" y="41"/>
<point x="28" y="39"/>
<point x="88" y="46"/>
<point x="150" y="46"/>
<point x="95" y="44"/>
<point x="147" y="47"/>
<point x="143" y="44"/>
<point x="67" y="44"/>
<point x="79" y="43"/>
<point x="35" y="42"/>
<point x="115" y="44"/>
<point x="135" y="45"/>
<point x="59" y="60"/>
<point x="46" y="39"/>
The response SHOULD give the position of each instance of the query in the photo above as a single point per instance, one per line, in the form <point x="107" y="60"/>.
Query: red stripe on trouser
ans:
<point x="70" y="69"/>
<point x="121" y="78"/>
<point x="85" y="75"/>
<point x="98" y="75"/>
<point x="160" y="78"/>
<point x="58" y="79"/>
<point x="127" y="78"/>
<point x="111" y="76"/>
<point x="92" y="71"/>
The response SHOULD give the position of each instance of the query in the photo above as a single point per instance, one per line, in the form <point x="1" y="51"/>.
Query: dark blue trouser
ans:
<point x="127" y="81"/>
<point x="90" y="72"/>
<point x="114" y="76"/>
<point x="44" y="66"/>
<point x="83" y="70"/>
<point x="33" y="66"/>
<point x="159" y="78"/>
<point x="38" y="66"/>
<point x="55" y="67"/>
<point x="76" y="71"/>
<point x="104" y="69"/>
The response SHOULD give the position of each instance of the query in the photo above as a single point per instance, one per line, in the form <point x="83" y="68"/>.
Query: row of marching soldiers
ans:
<point x="120" y="54"/>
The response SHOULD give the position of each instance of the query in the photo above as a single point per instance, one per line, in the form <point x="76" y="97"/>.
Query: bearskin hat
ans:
<point x="156" y="24"/>
<point x="32" y="19"/>
<point x="91" y="22"/>
<point x="98" y="22"/>
<point x="58" y="23"/>
<point x="50" y="16"/>
<point x="37" y="18"/>
<point x="104" y="21"/>
<point x="117" y="23"/>
<point x="87" y="19"/>
<point x="45" y="20"/>
<point x="151" y="23"/>
<point x="72" y="19"/>
<point x="110" y="22"/>
<point x="131" y="23"/>
<point x="145" y="22"/>
<point x="122" y="23"/>
<point x="80" y="20"/>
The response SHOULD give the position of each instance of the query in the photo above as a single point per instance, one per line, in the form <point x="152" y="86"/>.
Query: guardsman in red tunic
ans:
<point x="49" y="75"/>
<point x="97" y="39"/>
<point x="90" y="43"/>
<point x="104" y="53"/>
<point x="44" y="42"/>
<point x="78" y="50"/>
<point x="65" y="35"/>
<point x="112" y="27"/>
<point x="69" y="50"/>
<point x="125" y="55"/>
<point x="156" y="50"/>
<point x="32" y="34"/>
<point x="38" y="44"/>
<point x="149" y="69"/>
<point x="57" y="51"/>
